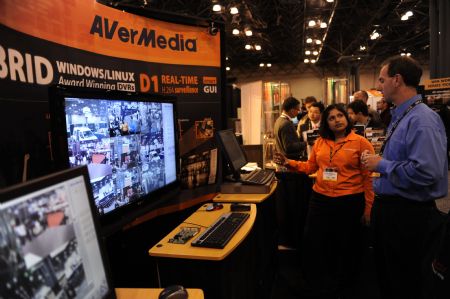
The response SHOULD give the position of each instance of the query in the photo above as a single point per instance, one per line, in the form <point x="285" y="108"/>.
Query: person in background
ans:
<point x="413" y="173"/>
<point x="359" y="114"/>
<point x="291" y="210"/>
<point x="385" y="112"/>
<point x="308" y="102"/>
<point x="362" y="95"/>
<point x="341" y="199"/>
<point x="286" y="138"/>
<point x="312" y="123"/>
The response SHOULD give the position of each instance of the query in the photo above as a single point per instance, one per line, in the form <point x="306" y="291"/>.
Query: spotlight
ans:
<point x="261" y="65"/>
<point x="217" y="7"/>
<point x="235" y="31"/>
<point x="248" y="32"/>
<point x="269" y="65"/>
<point x="248" y="47"/>
<point x="228" y="68"/>
<point x="234" y="10"/>
<point x="306" y="60"/>
<point x="213" y="29"/>
<point x="257" y="47"/>
<point x="323" y="25"/>
<point x="318" y="42"/>
<point x="309" y="40"/>
<point x="312" y="23"/>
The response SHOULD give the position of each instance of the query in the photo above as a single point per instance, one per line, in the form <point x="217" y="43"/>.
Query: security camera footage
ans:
<point x="49" y="247"/>
<point x="129" y="147"/>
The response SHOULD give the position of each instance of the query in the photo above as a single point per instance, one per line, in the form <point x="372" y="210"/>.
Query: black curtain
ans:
<point x="439" y="39"/>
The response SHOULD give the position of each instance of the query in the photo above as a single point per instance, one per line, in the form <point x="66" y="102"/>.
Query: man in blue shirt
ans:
<point x="413" y="173"/>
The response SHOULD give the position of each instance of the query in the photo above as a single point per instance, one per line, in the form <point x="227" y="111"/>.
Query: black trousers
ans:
<point x="332" y="244"/>
<point x="404" y="231"/>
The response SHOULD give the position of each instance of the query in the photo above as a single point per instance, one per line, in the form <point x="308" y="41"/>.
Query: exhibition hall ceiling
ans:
<point x="344" y="33"/>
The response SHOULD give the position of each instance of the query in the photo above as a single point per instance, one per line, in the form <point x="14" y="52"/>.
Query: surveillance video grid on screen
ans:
<point x="129" y="147"/>
<point x="48" y="246"/>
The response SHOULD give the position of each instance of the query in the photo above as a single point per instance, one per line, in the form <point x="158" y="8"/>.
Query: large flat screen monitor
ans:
<point x="128" y="142"/>
<point x="232" y="151"/>
<point x="49" y="240"/>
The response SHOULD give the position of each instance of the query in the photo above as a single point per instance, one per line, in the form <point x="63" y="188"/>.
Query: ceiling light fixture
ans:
<point x="248" y="32"/>
<point x="228" y="68"/>
<point x="309" y="40"/>
<point x="235" y="31"/>
<point x="406" y="15"/>
<point x="323" y="25"/>
<point x="217" y="7"/>
<point x="330" y="1"/>
<point x="374" y="35"/>
<point x="234" y="10"/>
<point x="257" y="47"/>
<point x="269" y="65"/>
<point x="312" y="23"/>
<point x="307" y="52"/>
<point x="313" y="61"/>
<point x="318" y="42"/>
<point x="315" y="53"/>
<point x="306" y="60"/>
<point x="261" y="65"/>
<point x="248" y="47"/>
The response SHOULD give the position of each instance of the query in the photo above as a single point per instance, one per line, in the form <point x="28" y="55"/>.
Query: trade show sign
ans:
<point x="90" y="45"/>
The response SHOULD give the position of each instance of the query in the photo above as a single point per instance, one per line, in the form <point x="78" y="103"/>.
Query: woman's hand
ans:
<point x="280" y="159"/>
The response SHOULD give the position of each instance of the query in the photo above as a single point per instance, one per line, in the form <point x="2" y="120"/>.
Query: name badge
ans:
<point x="330" y="174"/>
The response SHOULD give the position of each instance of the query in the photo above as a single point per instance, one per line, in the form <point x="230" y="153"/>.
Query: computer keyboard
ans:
<point x="221" y="231"/>
<point x="258" y="177"/>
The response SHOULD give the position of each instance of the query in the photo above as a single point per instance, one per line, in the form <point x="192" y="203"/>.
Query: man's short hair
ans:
<point x="290" y="103"/>
<point x="318" y="105"/>
<point x="310" y="99"/>
<point x="405" y="66"/>
<point x="359" y="106"/>
<point x="364" y="94"/>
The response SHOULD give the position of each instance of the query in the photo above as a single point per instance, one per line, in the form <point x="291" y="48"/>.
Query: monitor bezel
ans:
<point x="236" y="173"/>
<point x="15" y="191"/>
<point x="123" y="215"/>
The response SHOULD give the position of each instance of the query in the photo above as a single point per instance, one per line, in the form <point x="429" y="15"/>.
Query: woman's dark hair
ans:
<point x="324" y="129"/>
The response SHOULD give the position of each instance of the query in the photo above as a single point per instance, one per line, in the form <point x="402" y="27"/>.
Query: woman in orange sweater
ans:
<point x="342" y="197"/>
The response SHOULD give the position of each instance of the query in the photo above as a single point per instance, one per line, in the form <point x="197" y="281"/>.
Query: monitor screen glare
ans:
<point x="129" y="147"/>
<point x="49" y="246"/>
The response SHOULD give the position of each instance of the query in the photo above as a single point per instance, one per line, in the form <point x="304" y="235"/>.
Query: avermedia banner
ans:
<point x="90" y="45"/>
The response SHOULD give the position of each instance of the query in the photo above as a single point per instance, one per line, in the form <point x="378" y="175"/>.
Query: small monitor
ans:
<point x="232" y="151"/>
<point x="49" y="240"/>
<point x="127" y="140"/>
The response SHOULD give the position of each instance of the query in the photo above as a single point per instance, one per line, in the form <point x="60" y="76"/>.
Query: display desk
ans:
<point x="220" y="273"/>
<point x="245" y="198"/>
<point x="265" y="243"/>
<point x="138" y="293"/>
<point x="202" y="219"/>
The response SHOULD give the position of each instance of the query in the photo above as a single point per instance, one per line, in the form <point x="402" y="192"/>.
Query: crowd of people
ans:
<point x="393" y="191"/>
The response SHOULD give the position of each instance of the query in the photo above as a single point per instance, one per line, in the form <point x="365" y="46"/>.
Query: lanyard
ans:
<point x="334" y="154"/>
<point x="395" y="125"/>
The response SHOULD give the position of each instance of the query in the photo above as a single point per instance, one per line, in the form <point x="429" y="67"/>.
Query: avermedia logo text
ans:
<point x="145" y="37"/>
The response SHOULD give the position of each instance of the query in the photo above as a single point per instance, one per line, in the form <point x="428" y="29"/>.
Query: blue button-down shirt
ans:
<point x="414" y="163"/>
